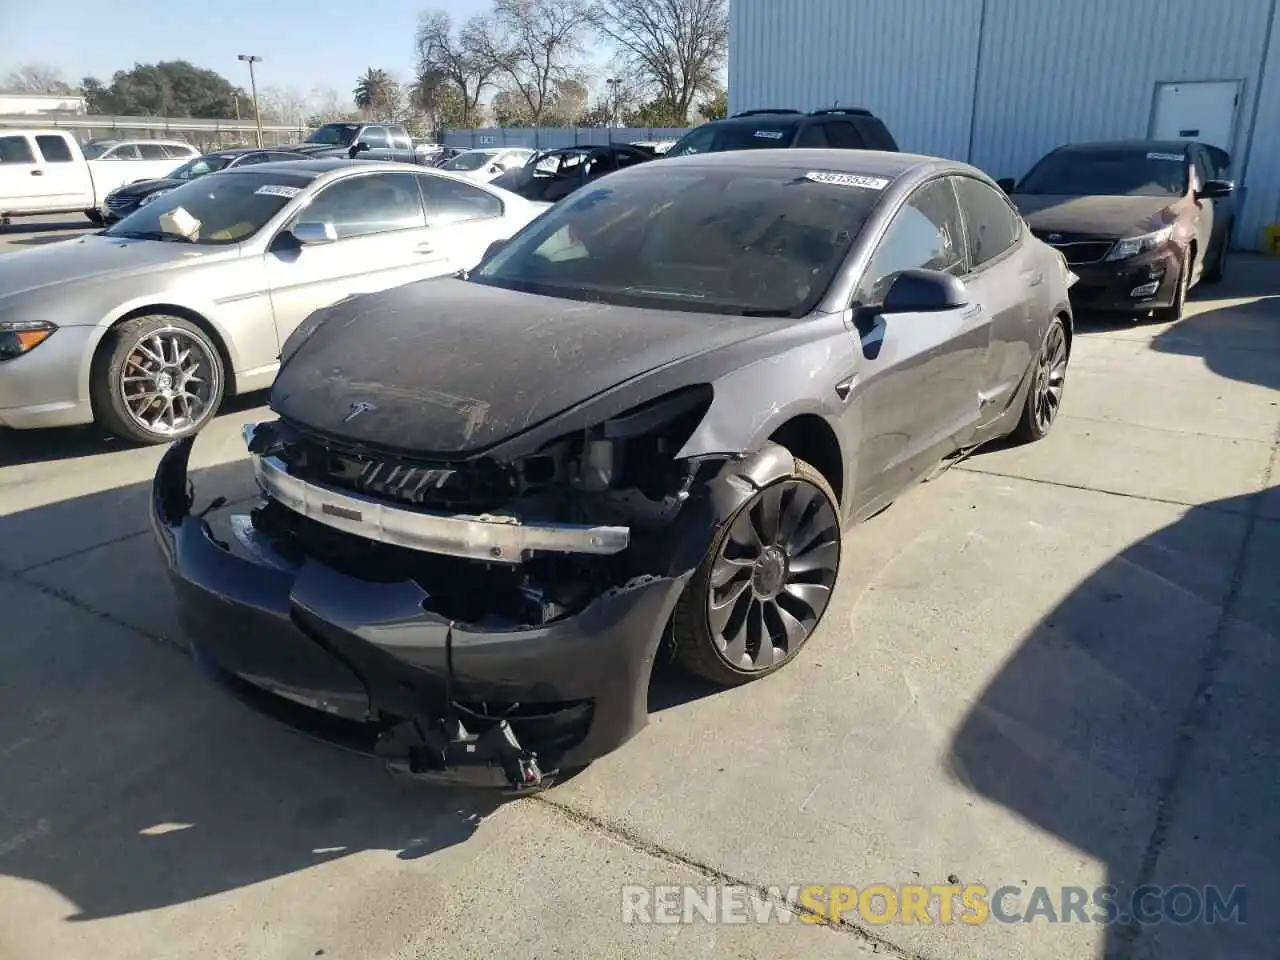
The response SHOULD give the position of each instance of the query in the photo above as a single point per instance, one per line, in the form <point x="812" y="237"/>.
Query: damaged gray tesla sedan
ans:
<point x="643" y="423"/>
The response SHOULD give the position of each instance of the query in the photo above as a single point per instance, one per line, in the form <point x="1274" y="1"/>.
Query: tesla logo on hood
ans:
<point x="357" y="408"/>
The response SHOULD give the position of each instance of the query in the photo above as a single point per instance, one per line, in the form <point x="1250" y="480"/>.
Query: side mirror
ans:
<point x="1006" y="184"/>
<point x="1215" y="189"/>
<point x="358" y="147"/>
<point x="312" y="232"/>
<point x="925" y="291"/>
<point x="494" y="249"/>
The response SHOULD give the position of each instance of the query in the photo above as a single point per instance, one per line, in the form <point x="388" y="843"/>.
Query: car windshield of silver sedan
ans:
<point x="1110" y="173"/>
<point x="704" y="241"/>
<point x="228" y="207"/>
<point x="199" y="167"/>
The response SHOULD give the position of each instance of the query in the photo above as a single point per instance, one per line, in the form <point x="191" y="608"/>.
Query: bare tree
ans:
<point x="36" y="78"/>
<point x="464" y="60"/>
<point x="540" y="42"/>
<point x="678" y="46"/>
<point x="284" y="105"/>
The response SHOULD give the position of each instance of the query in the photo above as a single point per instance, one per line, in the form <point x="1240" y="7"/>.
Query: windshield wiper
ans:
<point x="150" y="235"/>
<point x="764" y="312"/>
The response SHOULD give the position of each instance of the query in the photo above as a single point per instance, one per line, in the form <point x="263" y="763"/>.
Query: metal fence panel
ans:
<point x="548" y="138"/>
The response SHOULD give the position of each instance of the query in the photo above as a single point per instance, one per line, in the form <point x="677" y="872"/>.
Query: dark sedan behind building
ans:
<point x="123" y="201"/>
<point x="1140" y="222"/>
<point x="647" y="416"/>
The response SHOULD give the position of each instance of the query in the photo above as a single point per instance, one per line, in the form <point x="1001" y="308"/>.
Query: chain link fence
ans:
<point x="205" y="135"/>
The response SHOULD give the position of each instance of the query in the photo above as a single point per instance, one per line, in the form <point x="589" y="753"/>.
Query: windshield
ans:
<point x="471" y="160"/>
<point x="559" y="162"/>
<point x="198" y="167"/>
<point x="226" y="209"/>
<point x="335" y="134"/>
<point x="92" y="151"/>
<point x="709" y="241"/>
<point x="1110" y="173"/>
<point x="713" y="138"/>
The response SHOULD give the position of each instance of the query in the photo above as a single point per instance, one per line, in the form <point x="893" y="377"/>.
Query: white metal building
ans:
<point x="1001" y="82"/>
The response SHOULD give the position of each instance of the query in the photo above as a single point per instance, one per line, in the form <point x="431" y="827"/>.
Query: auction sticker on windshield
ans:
<point x="768" y="134"/>
<point x="1175" y="157"/>
<point x="846" y="179"/>
<point x="278" y="190"/>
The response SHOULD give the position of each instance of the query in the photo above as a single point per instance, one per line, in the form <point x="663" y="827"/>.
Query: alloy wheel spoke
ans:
<point x="726" y="569"/>
<point x="723" y="609"/>
<point x="792" y="629"/>
<point x="802" y="497"/>
<point x="813" y="595"/>
<point x="770" y="512"/>
<point x="820" y="556"/>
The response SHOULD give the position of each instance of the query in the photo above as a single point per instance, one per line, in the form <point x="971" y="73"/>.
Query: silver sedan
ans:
<point x="146" y="326"/>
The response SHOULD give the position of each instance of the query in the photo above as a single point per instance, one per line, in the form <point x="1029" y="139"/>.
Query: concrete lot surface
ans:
<point x="1052" y="666"/>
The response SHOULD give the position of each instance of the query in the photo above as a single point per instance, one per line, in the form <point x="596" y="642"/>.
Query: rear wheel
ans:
<point x="94" y="217"/>
<point x="765" y="583"/>
<point x="156" y="379"/>
<point x="1049" y="381"/>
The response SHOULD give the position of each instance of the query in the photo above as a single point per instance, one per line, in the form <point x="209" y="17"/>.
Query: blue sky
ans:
<point x="303" y="44"/>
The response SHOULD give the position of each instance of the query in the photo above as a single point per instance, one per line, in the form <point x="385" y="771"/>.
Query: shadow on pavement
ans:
<point x="1156" y="752"/>
<point x="70" y="443"/>
<point x="130" y="782"/>
<point x="1237" y="341"/>
<point x="79" y="224"/>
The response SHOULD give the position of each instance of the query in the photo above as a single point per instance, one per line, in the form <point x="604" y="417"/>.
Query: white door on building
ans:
<point x="1197" y="111"/>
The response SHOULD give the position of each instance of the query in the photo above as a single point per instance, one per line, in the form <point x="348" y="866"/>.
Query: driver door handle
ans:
<point x="37" y="173"/>
<point x="424" y="249"/>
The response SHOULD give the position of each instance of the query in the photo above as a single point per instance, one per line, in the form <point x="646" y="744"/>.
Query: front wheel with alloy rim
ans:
<point x="1173" y="312"/>
<point x="1048" y="382"/>
<point x="765" y="583"/>
<point x="156" y="379"/>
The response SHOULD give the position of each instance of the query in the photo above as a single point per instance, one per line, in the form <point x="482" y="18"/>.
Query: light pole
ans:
<point x="613" y="83"/>
<point x="253" y="89"/>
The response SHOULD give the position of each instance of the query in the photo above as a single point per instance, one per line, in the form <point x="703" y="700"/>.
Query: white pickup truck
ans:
<point x="45" y="171"/>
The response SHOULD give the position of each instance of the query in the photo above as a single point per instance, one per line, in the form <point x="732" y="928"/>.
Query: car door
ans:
<point x="379" y="144"/>
<point x="22" y="178"/>
<point x="915" y="377"/>
<point x="380" y="235"/>
<point x="1203" y="212"/>
<point x="65" y="181"/>
<point x="116" y="167"/>
<point x="1214" y="164"/>
<point x="1007" y="276"/>
<point x="462" y="221"/>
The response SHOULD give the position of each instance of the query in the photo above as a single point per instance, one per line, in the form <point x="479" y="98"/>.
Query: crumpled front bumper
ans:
<point x="370" y="667"/>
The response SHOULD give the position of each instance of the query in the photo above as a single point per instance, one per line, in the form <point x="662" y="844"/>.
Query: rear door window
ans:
<point x="54" y="149"/>
<point x="126" y="151"/>
<point x="153" y="151"/>
<point x="375" y="137"/>
<point x="991" y="226"/>
<point x="925" y="234"/>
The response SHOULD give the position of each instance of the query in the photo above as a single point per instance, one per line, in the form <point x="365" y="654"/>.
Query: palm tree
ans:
<point x="374" y="92"/>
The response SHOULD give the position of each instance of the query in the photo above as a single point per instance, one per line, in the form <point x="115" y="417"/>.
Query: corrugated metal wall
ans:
<point x="910" y="61"/>
<point x="1000" y="82"/>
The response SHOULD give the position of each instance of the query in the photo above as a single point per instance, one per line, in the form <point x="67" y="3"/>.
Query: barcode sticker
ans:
<point x="278" y="190"/>
<point x="847" y="179"/>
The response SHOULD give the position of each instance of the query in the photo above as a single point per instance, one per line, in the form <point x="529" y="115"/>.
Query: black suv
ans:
<point x="844" y="128"/>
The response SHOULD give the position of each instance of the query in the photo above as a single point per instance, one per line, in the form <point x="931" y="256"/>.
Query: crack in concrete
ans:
<point x="1087" y="489"/>
<point x="73" y="601"/>
<point x="629" y="838"/>
<point x="1195" y="716"/>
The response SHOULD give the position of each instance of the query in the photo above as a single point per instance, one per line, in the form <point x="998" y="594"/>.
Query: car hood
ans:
<point x="1110" y="217"/>
<point x="144" y="188"/>
<point x="89" y="258"/>
<point x="454" y="367"/>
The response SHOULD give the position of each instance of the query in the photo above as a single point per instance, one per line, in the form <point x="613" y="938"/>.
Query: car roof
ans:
<point x="240" y="151"/>
<point x="1123" y="146"/>
<point x="314" y="169"/>
<point x="874" y="163"/>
